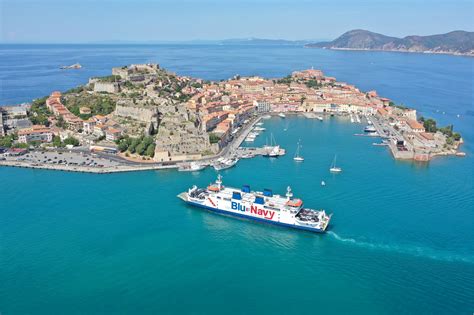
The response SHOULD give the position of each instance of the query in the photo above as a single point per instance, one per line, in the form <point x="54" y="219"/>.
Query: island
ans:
<point x="145" y="117"/>
<point x="454" y="43"/>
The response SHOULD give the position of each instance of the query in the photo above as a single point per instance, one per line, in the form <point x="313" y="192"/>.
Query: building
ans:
<point x="123" y="72"/>
<point x="410" y="114"/>
<point x="85" y="111"/>
<point x="88" y="126"/>
<point x="99" y="129"/>
<point x="35" y="133"/>
<point x="53" y="103"/>
<point x="112" y="134"/>
<point x="308" y="74"/>
<point x="2" y="129"/>
<point x="415" y="126"/>
<point x="14" y="117"/>
<point x="16" y="152"/>
<point x="263" y="106"/>
<point x="210" y="121"/>
<point x="109" y="87"/>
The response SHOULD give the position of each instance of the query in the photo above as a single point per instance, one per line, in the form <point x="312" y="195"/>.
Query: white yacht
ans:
<point x="298" y="157"/>
<point x="225" y="164"/>
<point x="191" y="167"/>
<point x="334" y="168"/>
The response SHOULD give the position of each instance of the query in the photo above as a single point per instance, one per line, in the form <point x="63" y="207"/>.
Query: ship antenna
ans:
<point x="219" y="181"/>
<point x="289" y="194"/>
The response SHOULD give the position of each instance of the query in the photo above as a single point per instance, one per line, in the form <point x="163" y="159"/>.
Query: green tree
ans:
<point x="140" y="149"/>
<point x="150" y="151"/>
<point x="57" y="141"/>
<point x="135" y="142"/>
<point x="430" y="125"/>
<point x="123" y="145"/>
<point x="148" y="141"/>
<point x="6" y="141"/>
<point x="61" y="123"/>
<point x="71" y="140"/>
<point x="213" y="138"/>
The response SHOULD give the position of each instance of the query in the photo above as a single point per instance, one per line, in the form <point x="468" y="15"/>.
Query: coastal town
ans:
<point x="145" y="117"/>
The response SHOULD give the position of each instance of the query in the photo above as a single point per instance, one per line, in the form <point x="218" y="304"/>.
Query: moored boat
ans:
<point x="225" y="164"/>
<point x="370" y="129"/>
<point x="191" y="167"/>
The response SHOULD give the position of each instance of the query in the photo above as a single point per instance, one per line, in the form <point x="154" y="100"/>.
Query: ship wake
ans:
<point x="412" y="250"/>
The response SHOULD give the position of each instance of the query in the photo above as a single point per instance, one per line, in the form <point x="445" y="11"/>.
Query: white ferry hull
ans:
<point x="247" y="212"/>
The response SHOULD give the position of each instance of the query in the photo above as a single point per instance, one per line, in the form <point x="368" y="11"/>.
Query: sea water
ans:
<point x="400" y="240"/>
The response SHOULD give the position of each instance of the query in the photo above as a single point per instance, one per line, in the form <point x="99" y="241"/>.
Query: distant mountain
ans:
<point x="262" y="41"/>
<point x="456" y="42"/>
<point x="234" y="41"/>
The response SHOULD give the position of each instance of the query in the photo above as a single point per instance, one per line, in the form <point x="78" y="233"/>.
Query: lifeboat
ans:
<point x="294" y="203"/>
<point x="213" y="188"/>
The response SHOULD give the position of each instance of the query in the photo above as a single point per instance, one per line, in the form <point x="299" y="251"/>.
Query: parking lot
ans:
<point x="65" y="158"/>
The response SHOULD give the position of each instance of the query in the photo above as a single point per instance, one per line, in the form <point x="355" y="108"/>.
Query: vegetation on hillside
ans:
<point x="39" y="113"/>
<point x="430" y="125"/>
<point x="144" y="146"/>
<point x="99" y="104"/>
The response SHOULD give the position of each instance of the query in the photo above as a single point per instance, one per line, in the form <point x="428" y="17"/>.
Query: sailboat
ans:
<point x="272" y="150"/>
<point x="334" y="168"/>
<point x="298" y="157"/>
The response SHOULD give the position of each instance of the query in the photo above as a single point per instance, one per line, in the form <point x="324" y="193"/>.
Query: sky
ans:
<point x="89" y="21"/>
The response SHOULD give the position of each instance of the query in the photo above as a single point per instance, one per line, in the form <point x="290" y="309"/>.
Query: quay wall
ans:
<point x="86" y="169"/>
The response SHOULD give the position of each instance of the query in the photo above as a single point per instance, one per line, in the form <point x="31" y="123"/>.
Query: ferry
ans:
<point x="259" y="206"/>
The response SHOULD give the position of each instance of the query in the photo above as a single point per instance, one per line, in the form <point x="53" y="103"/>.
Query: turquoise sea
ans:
<point x="401" y="239"/>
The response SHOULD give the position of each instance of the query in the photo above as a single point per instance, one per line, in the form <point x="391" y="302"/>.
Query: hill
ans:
<point x="456" y="42"/>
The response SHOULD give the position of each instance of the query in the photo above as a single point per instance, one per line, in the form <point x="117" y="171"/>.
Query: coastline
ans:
<point x="228" y="150"/>
<point x="86" y="169"/>
<point x="394" y="50"/>
<point x="132" y="166"/>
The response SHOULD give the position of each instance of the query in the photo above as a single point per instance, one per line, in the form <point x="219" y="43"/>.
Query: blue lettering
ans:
<point x="237" y="206"/>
